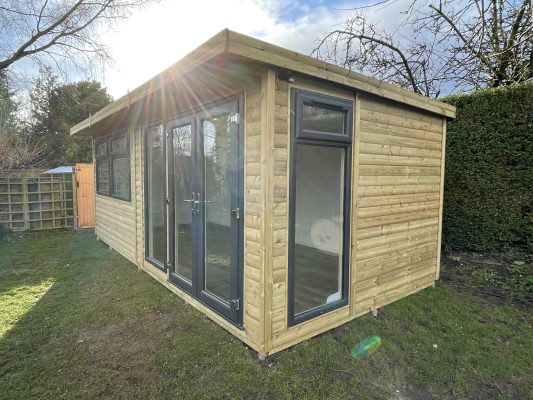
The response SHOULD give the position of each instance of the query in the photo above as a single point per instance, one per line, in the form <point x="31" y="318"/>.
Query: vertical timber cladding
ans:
<point x="396" y="173"/>
<point x="399" y="193"/>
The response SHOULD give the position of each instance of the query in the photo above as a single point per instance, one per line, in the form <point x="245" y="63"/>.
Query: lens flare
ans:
<point x="366" y="347"/>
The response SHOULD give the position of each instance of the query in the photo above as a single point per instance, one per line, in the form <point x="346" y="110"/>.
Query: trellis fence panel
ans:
<point x="31" y="200"/>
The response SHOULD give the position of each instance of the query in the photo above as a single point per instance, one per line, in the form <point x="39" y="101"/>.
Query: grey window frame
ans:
<point x="298" y="135"/>
<point x="108" y="158"/>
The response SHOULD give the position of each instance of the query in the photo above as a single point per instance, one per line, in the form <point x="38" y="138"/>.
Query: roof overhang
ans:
<point x="229" y="42"/>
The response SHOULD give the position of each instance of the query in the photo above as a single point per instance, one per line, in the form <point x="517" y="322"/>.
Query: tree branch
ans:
<point x="373" y="39"/>
<point x="21" y="51"/>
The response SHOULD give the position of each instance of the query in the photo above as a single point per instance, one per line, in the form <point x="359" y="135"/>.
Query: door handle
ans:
<point x="192" y="204"/>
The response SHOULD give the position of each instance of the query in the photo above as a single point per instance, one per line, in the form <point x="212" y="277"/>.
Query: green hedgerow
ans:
<point x="488" y="199"/>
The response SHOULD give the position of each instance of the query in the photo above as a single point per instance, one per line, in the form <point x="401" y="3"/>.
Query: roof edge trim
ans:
<point x="244" y="46"/>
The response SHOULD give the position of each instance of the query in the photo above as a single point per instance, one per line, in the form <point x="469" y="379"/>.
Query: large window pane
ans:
<point x="183" y="173"/>
<point x="121" y="177"/>
<point x="102" y="176"/>
<point x="217" y="169"/>
<point x="319" y="194"/>
<point x="155" y="164"/>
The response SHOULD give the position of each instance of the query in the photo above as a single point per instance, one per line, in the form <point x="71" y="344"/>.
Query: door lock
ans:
<point x="236" y="213"/>
<point x="197" y="202"/>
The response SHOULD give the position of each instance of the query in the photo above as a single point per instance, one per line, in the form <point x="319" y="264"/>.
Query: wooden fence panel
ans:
<point x="31" y="200"/>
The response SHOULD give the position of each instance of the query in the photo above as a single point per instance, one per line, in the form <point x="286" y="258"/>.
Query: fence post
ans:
<point x="25" y="200"/>
<point x="75" y="196"/>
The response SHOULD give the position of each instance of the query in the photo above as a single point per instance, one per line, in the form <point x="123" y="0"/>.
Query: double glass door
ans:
<point x="204" y="197"/>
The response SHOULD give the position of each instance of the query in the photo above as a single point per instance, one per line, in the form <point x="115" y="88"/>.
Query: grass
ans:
<point x="78" y="321"/>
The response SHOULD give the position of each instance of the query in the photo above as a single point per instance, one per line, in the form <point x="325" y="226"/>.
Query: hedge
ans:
<point x="488" y="187"/>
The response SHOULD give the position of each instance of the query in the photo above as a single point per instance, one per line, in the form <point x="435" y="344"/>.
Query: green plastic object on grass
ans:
<point x="366" y="347"/>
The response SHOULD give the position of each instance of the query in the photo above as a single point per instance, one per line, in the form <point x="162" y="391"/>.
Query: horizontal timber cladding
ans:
<point x="398" y="201"/>
<point x="115" y="225"/>
<point x="253" y="218"/>
<point x="279" y="226"/>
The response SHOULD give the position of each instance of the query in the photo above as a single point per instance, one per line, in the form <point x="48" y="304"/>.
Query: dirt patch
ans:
<point x="499" y="277"/>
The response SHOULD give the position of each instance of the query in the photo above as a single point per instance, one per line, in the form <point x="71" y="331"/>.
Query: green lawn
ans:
<point x="79" y="321"/>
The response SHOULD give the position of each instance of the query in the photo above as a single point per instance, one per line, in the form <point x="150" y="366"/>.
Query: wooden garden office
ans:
<point x="278" y="194"/>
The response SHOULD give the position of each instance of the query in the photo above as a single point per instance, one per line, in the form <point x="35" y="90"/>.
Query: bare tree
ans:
<point x="18" y="151"/>
<point x="59" y="31"/>
<point x="444" y="46"/>
<point x="16" y="148"/>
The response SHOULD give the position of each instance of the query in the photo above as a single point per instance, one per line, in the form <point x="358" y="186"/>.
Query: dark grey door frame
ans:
<point x="232" y="105"/>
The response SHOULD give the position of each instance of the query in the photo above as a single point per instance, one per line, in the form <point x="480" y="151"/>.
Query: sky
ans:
<point x="156" y="37"/>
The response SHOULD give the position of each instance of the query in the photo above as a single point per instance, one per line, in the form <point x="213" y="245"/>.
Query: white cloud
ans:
<point x="155" y="38"/>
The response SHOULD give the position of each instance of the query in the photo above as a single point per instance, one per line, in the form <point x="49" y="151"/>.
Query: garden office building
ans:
<point x="278" y="194"/>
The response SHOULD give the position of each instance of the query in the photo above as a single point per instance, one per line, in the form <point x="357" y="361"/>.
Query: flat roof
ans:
<point x="229" y="42"/>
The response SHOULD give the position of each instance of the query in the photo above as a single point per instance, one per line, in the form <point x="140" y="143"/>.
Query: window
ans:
<point x="102" y="176"/>
<point x="100" y="148"/>
<point x="321" y="136"/>
<point x="322" y="119"/>
<point x="156" y="231"/>
<point x="113" y="166"/>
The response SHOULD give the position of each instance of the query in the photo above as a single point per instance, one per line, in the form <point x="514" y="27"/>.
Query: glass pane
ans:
<point x="100" y="148"/>
<point x="102" y="176"/>
<point x="217" y="164"/>
<point x="182" y="144"/>
<point x="318" y="229"/>
<point x="316" y="118"/>
<point x="119" y="144"/>
<point x="155" y="164"/>
<point x="121" y="177"/>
